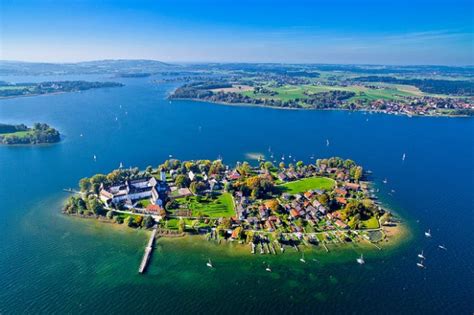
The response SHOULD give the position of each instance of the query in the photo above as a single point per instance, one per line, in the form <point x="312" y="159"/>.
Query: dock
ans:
<point x="148" y="251"/>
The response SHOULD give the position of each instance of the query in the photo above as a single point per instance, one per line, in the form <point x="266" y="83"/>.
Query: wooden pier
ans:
<point x="148" y="251"/>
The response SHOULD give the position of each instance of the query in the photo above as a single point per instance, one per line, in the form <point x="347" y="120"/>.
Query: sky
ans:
<point x="435" y="32"/>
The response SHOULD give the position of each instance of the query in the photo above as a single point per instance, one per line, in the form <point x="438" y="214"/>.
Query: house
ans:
<point x="191" y="175"/>
<point x="234" y="175"/>
<point x="352" y="186"/>
<point x="294" y="213"/>
<point x="153" y="209"/>
<point x="308" y="195"/>
<point x="341" y="224"/>
<point x="341" y="191"/>
<point x="341" y="200"/>
<point x="282" y="177"/>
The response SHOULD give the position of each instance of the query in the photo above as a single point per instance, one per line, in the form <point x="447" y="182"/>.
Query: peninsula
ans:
<point x="421" y="91"/>
<point x="268" y="205"/>
<point x="21" y="134"/>
<point x="9" y="90"/>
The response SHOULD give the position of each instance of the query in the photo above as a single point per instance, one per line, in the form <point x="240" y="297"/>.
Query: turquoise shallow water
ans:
<point x="56" y="264"/>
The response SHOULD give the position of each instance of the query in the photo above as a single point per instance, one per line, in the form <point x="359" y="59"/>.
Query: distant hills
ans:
<point x="119" y="66"/>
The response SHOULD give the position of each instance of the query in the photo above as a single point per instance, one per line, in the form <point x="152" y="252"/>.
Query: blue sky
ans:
<point x="337" y="31"/>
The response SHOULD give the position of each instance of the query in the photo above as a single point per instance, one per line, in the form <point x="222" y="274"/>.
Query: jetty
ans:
<point x="148" y="251"/>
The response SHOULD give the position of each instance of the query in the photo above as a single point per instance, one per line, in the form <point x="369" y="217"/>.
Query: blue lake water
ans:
<point x="55" y="264"/>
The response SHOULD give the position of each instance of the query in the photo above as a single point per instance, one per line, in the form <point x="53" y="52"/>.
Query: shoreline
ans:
<point x="394" y="238"/>
<point x="316" y="109"/>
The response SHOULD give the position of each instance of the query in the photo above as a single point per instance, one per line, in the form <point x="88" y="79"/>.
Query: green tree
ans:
<point x="358" y="173"/>
<point x="281" y="165"/>
<point x="268" y="165"/>
<point x="95" y="206"/>
<point x="299" y="164"/>
<point x="148" y="222"/>
<point x="181" y="225"/>
<point x="181" y="181"/>
<point x="129" y="221"/>
<point x="85" y="184"/>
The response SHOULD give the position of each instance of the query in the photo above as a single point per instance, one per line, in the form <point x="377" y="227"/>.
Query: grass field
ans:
<point x="291" y="92"/>
<point x="371" y="223"/>
<point x="215" y="207"/>
<point x="306" y="184"/>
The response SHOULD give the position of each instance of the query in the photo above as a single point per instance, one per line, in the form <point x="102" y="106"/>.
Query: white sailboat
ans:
<point x="420" y="264"/>
<point x="121" y="165"/>
<point x="442" y="247"/>
<point x="209" y="263"/>
<point x="361" y="260"/>
<point x="268" y="268"/>
<point x="385" y="181"/>
<point x="95" y="158"/>
<point x="420" y="255"/>
<point x="428" y="233"/>
<point x="302" y="259"/>
<point x="327" y="142"/>
<point x="404" y="156"/>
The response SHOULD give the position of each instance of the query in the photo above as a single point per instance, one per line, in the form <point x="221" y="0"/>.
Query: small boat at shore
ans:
<point x="209" y="264"/>
<point x="360" y="260"/>
<point x="268" y="268"/>
<point x="302" y="259"/>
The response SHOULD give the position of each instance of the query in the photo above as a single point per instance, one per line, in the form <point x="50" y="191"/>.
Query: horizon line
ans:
<point x="238" y="62"/>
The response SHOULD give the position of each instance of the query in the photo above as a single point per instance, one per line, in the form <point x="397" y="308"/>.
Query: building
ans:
<point x="133" y="190"/>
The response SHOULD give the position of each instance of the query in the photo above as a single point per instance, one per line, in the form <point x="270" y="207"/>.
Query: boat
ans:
<point x="385" y="181"/>
<point x="403" y="157"/>
<point x="420" y="264"/>
<point x="268" y="269"/>
<point x="283" y="158"/>
<point x="116" y="118"/>
<point x="327" y="142"/>
<point x="361" y="260"/>
<point x="442" y="247"/>
<point x="95" y="158"/>
<point x="81" y="135"/>
<point x="302" y="259"/>
<point x="121" y="165"/>
<point x="420" y="255"/>
<point x="428" y="233"/>
<point x="209" y="264"/>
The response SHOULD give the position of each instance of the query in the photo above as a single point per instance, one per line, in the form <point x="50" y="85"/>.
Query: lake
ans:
<point x="51" y="263"/>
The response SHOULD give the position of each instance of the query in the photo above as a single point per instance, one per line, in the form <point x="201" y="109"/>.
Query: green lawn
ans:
<point x="144" y="203"/>
<point x="309" y="183"/>
<point x="19" y="134"/>
<point x="371" y="223"/>
<point x="215" y="207"/>
<point x="291" y="92"/>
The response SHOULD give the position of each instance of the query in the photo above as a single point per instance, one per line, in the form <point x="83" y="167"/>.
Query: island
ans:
<point x="21" y="134"/>
<point x="266" y="206"/>
<point x="9" y="90"/>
